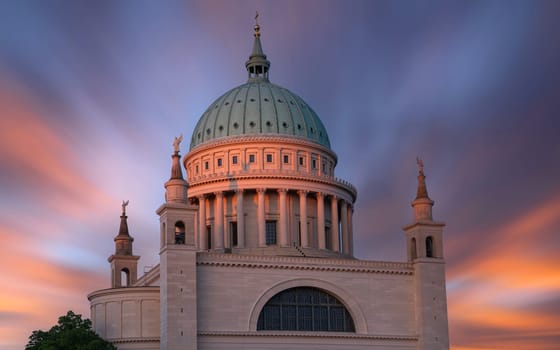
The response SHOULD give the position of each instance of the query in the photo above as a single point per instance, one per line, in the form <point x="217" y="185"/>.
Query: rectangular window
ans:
<point x="233" y="233"/>
<point x="270" y="232"/>
<point x="269" y="158"/>
<point x="251" y="158"/>
<point x="206" y="165"/>
<point x="209" y="236"/>
<point x="324" y="168"/>
<point x="286" y="159"/>
<point x="219" y="162"/>
<point x="234" y="160"/>
<point x="314" y="163"/>
<point x="197" y="169"/>
<point x="301" y="161"/>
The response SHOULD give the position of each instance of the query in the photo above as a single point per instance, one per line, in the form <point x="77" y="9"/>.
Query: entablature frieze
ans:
<point x="303" y="263"/>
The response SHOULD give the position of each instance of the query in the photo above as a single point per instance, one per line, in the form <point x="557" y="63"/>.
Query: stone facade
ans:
<point x="256" y="245"/>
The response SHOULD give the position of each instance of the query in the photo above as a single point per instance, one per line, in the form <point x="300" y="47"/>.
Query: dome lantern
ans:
<point x="257" y="65"/>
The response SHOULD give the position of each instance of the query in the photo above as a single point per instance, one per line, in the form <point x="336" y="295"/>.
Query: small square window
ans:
<point x="219" y="162"/>
<point x="251" y="158"/>
<point x="206" y="165"/>
<point x="234" y="160"/>
<point x="286" y="159"/>
<point x="269" y="158"/>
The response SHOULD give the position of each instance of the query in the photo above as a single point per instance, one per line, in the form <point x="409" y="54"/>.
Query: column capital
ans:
<point x="239" y="190"/>
<point x="320" y="195"/>
<point x="302" y="192"/>
<point x="202" y="197"/>
<point x="261" y="190"/>
<point x="282" y="190"/>
<point x="219" y="193"/>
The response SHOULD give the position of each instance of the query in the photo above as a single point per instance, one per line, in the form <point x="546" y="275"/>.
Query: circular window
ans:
<point x="268" y="123"/>
<point x="208" y="131"/>
<point x="227" y="103"/>
<point x="284" y="124"/>
<point x="299" y="126"/>
<point x="238" y="101"/>
<point x="252" y="99"/>
<point x="311" y="129"/>
<point x="252" y="124"/>
<point x="279" y="100"/>
<point x="265" y="99"/>
<point x="221" y="128"/>
<point x="198" y="135"/>
<point x="235" y="125"/>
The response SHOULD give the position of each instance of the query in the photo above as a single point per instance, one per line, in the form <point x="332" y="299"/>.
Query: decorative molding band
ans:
<point x="273" y="174"/>
<point x="134" y="340"/>
<point x="308" y="335"/>
<point x="258" y="139"/>
<point x="302" y="263"/>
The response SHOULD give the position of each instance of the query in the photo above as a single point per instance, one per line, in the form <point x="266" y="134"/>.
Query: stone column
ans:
<point x="350" y="230"/>
<point x="321" y="220"/>
<point x="202" y="239"/>
<point x="240" y="219"/>
<point x="218" y="221"/>
<point x="344" y="226"/>
<point x="261" y="227"/>
<point x="282" y="205"/>
<point x="334" y="222"/>
<point x="303" y="218"/>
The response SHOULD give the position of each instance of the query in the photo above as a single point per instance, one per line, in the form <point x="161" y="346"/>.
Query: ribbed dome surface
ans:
<point x="259" y="107"/>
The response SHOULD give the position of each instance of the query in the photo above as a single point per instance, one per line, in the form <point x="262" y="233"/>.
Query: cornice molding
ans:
<point x="326" y="335"/>
<point x="273" y="174"/>
<point x="302" y="263"/>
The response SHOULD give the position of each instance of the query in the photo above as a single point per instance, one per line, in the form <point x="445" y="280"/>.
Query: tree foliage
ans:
<point x="71" y="333"/>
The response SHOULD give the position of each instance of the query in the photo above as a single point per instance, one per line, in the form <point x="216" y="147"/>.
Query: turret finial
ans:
<point x="124" y="204"/>
<point x="176" y="143"/>
<point x="422" y="191"/>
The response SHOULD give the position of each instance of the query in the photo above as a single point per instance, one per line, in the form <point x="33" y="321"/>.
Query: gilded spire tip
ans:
<point x="257" y="27"/>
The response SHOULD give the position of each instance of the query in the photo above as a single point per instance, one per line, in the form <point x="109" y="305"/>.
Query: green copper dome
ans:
<point x="259" y="108"/>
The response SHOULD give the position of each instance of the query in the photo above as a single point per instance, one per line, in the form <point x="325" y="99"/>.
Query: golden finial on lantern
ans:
<point x="256" y="27"/>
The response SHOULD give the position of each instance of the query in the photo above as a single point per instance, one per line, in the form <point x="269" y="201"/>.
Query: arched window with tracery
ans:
<point x="305" y="309"/>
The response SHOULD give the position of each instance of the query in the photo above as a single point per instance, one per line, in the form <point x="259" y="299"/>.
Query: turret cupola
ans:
<point x="124" y="264"/>
<point x="176" y="187"/>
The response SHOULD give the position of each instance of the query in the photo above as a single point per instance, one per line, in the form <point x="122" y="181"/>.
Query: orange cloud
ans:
<point x="495" y="288"/>
<point x="35" y="291"/>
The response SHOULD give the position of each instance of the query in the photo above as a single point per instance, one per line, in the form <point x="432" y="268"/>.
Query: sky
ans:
<point x="93" y="92"/>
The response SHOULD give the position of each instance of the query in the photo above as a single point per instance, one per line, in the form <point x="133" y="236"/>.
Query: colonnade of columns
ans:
<point x="340" y="229"/>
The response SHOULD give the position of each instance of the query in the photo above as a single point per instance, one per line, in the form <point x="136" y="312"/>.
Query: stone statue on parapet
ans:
<point x="124" y="204"/>
<point x="177" y="142"/>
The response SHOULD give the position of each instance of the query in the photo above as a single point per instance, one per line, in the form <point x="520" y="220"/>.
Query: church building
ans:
<point x="256" y="244"/>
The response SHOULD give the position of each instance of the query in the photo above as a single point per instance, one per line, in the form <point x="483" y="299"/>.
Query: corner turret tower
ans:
<point x="425" y="250"/>
<point x="123" y="262"/>
<point x="178" y="320"/>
